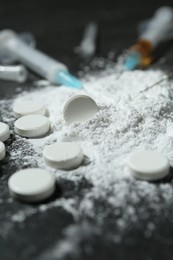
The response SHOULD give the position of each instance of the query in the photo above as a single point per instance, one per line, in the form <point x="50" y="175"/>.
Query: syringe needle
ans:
<point x="165" y="77"/>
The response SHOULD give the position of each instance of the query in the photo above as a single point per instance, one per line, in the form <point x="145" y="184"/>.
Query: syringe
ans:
<point x="40" y="63"/>
<point x="15" y="73"/>
<point x="87" y="46"/>
<point x="158" y="29"/>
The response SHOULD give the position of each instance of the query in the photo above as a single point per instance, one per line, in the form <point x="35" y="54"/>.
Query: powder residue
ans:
<point x="127" y="120"/>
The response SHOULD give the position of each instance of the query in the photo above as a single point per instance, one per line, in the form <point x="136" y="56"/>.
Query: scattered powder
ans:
<point x="74" y="236"/>
<point x="127" y="121"/>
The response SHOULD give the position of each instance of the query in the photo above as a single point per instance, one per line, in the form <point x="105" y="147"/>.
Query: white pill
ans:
<point x="148" y="165"/>
<point x="31" y="185"/>
<point x="28" y="107"/>
<point x="32" y="125"/>
<point x="2" y="151"/>
<point x="4" y="132"/>
<point x="79" y="108"/>
<point x="64" y="155"/>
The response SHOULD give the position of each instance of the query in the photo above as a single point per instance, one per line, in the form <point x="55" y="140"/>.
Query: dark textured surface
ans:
<point x="58" y="26"/>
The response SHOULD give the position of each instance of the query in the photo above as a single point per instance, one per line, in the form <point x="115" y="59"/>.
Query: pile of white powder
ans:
<point x="127" y="121"/>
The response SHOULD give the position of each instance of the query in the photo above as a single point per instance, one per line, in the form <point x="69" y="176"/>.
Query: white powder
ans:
<point x="126" y="121"/>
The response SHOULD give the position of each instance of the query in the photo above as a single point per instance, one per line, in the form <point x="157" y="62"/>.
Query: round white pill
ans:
<point x="79" y="108"/>
<point x="148" y="165"/>
<point x="31" y="185"/>
<point x="2" y="151"/>
<point x="4" y="132"/>
<point x="32" y="125"/>
<point x="64" y="155"/>
<point x="28" y="107"/>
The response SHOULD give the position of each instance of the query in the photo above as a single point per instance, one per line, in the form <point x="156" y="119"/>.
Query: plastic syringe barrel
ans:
<point x="159" y="25"/>
<point x="34" y="59"/>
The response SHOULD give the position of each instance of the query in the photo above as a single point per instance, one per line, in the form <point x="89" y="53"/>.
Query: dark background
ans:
<point x="58" y="27"/>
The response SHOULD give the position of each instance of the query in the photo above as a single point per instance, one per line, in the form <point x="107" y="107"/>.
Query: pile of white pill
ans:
<point x="32" y="121"/>
<point x="4" y="135"/>
<point x="34" y="184"/>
